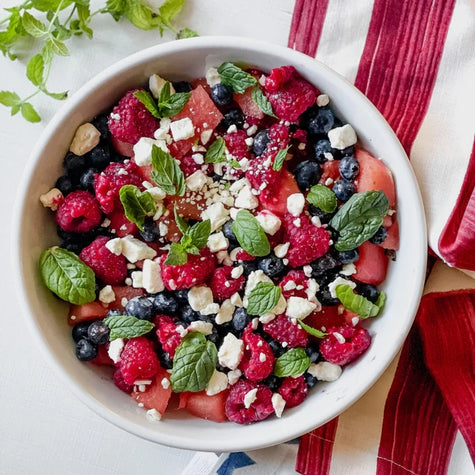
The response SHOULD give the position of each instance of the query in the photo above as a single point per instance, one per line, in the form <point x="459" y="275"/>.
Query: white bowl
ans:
<point x="35" y="231"/>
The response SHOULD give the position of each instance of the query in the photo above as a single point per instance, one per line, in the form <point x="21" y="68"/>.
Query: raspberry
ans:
<point x="259" y="409"/>
<point x="307" y="241"/>
<point x="254" y="366"/>
<point x="120" y="383"/>
<point x="138" y="360"/>
<point x="108" y="267"/>
<point x="300" y="280"/>
<point x="294" y="391"/>
<point x="79" y="212"/>
<point x="279" y="135"/>
<point x="278" y="77"/>
<point x="243" y="255"/>
<point x="130" y="120"/>
<point x="167" y="334"/>
<point x="260" y="173"/>
<point x="197" y="270"/>
<point x="108" y="183"/>
<point x="189" y="166"/>
<point x="236" y="145"/>
<point x="283" y="330"/>
<point x="223" y="285"/>
<point x="121" y="225"/>
<point x="357" y="341"/>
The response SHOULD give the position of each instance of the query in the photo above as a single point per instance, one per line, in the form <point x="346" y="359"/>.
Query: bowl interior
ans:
<point x="35" y="231"/>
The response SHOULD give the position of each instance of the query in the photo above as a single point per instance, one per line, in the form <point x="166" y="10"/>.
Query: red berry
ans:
<point x="343" y="344"/>
<point x="236" y="145"/>
<point x="130" y="120"/>
<point x="223" y="285"/>
<point x="258" y="359"/>
<point x="197" y="270"/>
<point x="258" y="410"/>
<point x="121" y="225"/>
<point x="278" y="77"/>
<point x="79" y="212"/>
<point x="189" y="166"/>
<point x="293" y="390"/>
<point x="299" y="284"/>
<point x="260" y="173"/>
<point x="243" y="255"/>
<point x="138" y="360"/>
<point x="167" y="334"/>
<point x="283" y="330"/>
<point x="108" y="267"/>
<point x="120" y="383"/>
<point x="108" y="183"/>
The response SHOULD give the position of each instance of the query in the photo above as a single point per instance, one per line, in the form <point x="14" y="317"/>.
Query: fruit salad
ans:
<point x="221" y="243"/>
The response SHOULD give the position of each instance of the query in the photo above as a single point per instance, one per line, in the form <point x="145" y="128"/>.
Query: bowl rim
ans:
<point x="255" y="441"/>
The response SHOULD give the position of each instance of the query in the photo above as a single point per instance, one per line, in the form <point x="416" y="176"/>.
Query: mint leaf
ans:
<point x="35" y="69"/>
<point x="45" y="5"/>
<point x="60" y="96"/>
<point x="186" y="33"/>
<point x="9" y="99"/>
<point x="359" y="219"/>
<point x="170" y="9"/>
<point x="180" y="222"/>
<point x="166" y="172"/>
<point x="357" y="303"/>
<point x="177" y="255"/>
<point x="216" y="152"/>
<point x="234" y="164"/>
<point x="199" y="233"/>
<point x="263" y="298"/>
<point x="33" y="26"/>
<point x="235" y="77"/>
<point x="84" y="15"/>
<point x="323" y="198"/>
<point x="56" y="46"/>
<point x="168" y="105"/>
<point x="148" y="101"/>
<point x="127" y="326"/>
<point x="250" y="234"/>
<point x="137" y="204"/>
<point x="194" y="363"/>
<point x="292" y="363"/>
<point x="29" y="112"/>
<point x="310" y="330"/>
<point x="280" y="158"/>
<point x="67" y="276"/>
<point x="174" y="104"/>
<point x="141" y="16"/>
<point x="116" y="8"/>
<point x="262" y="102"/>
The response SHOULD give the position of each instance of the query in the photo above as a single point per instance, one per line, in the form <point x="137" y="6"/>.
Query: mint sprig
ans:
<point x="311" y="331"/>
<point x="263" y="298"/>
<point x="262" y="102"/>
<point x="280" y="159"/>
<point x="235" y="77"/>
<point x="137" y="204"/>
<point x="323" y="198"/>
<point x="166" y="172"/>
<point x="358" y="304"/>
<point x="292" y="363"/>
<point x="127" y="326"/>
<point x="216" y="152"/>
<point x="250" y="234"/>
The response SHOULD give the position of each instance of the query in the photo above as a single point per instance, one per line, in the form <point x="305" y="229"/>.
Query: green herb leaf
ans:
<point x="186" y="33"/>
<point x="170" y="9"/>
<point x="84" y="15"/>
<point x="56" y="46"/>
<point x="216" y="152"/>
<point x="33" y="26"/>
<point x="280" y="158"/>
<point x="35" y="69"/>
<point x="137" y="204"/>
<point x="180" y="222"/>
<point x="67" y="276"/>
<point x="45" y="5"/>
<point x="262" y="102"/>
<point x="127" y="326"/>
<point x="60" y="96"/>
<point x="194" y="363"/>
<point x="263" y="298"/>
<point x="359" y="219"/>
<point x="292" y="363"/>
<point x="177" y="256"/>
<point x="116" y="8"/>
<point x="166" y="172"/>
<point x="9" y="99"/>
<point x="174" y="104"/>
<point x="310" y="330"/>
<point x="149" y="102"/>
<point x="250" y="234"/>
<point x="199" y="233"/>
<point x="323" y="198"/>
<point x="29" y="113"/>
<point x="234" y="164"/>
<point x="357" y="303"/>
<point x="141" y="16"/>
<point x="235" y="77"/>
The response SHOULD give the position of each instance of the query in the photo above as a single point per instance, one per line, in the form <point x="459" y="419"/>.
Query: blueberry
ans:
<point x="150" y="231"/>
<point x="349" y="167"/>
<point x="189" y="315"/>
<point x="101" y="123"/>
<point x="261" y="139"/>
<point x="164" y="303"/>
<point x="380" y="235"/>
<point x="221" y="94"/>
<point x="182" y="86"/>
<point x="347" y="257"/>
<point x="323" y="264"/>
<point x="166" y="361"/>
<point x="74" y="166"/>
<point x="313" y="352"/>
<point x="272" y="266"/>
<point x="272" y="382"/>
<point x="140" y="307"/>
<point x="86" y="181"/>
<point x="214" y="337"/>
<point x="115" y="312"/>
<point x="248" y="267"/>
<point x="307" y="174"/>
<point x="80" y="331"/>
<point x="324" y="218"/>
<point x="85" y="350"/>
<point x="322" y="122"/>
<point x="229" y="233"/>
<point x="310" y="380"/>
<point x="98" y="332"/>
<point x="276" y="348"/>
<point x="368" y="291"/>
<point x="325" y="298"/>
<point x="64" y="184"/>
<point x="343" y="189"/>
<point x="321" y="148"/>
<point x="100" y="156"/>
<point x="233" y="117"/>
<point x="181" y="295"/>
<point x="240" y="319"/>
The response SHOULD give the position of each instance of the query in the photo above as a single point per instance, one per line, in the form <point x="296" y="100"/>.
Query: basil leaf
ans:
<point x="280" y="158"/>
<point x="180" y="222"/>
<point x="199" y="233"/>
<point x="263" y="298"/>
<point x="137" y="205"/>
<point x="194" y="363"/>
<point x="357" y="303"/>
<point x="177" y="255"/>
<point x="250" y="234"/>
<point x="292" y="363"/>
<point x="127" y="326"/>
<point x="216" y="151"/>
<point x="67" y="276"/>
<point x="174" y="104"/>
<point x="149" y="102"/>
<point x="323" y="198"/>
<point x="310" y="330"/>
<point x="166" y="172"/>
<point x="262" y="102"/>
<point x="235" y="77"/>
<point x="359" y="219"/>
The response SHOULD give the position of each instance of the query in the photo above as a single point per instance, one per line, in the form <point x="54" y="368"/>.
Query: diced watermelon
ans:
<point x="392" y="239"/>
<point x="122" y="148"/>
<point x="329" y="170"/>
<point x="189" y="205"/>
<point x="204" y="406"/>
<point x="85" y="312"/>
<point x="145" y="171"/>
<point x="327" y="317"/>
<point x="102" y="358"/>
<point x="121" y="224"/>
<point x="124" y="291"/>
<point x="375" y="175"/>
<point x="201" y="82"/>
<point x="372" y="265"/>
<point x="274" y="198"/>
<point x="155" y="395"/>
<point x="247" y="105"/>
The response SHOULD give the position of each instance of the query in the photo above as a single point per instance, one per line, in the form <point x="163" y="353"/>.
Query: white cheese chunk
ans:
<point x="151" y="277"/>
<point x="225" y="313"/>
<point x="51" y="199"/>
<point x="143" y="150"/>
<point x="156" y="83"/>
<point x="325" y="371"/>
<point x="245" y="199"/>
<point x="85" y="139"/>
<point x="231" y="351"/>
<point x="217" y="383"/>
<point x="199" y="297"/>
<point x="135" y="250"/>
<point x="250" y="397"/>
<point x="115" y="246"/>
<point x="281" y="249"/>
<point x="196" y="181"/>
<point x="182" y="129"/>
<point x="217" y="214"/>
<point x="199" y="326"/>
<point x="342" y="137"/>
<point x="298" y="307"/>
<point x="212" y="77"/>
<point x="233" y="376"/>
<point x="107" y="295"/>
<point x="269" y="222"/>
<point x="339" y="281"/>
<point x="278" y="403"/>
<point x="295" y="204"/>
<point x="115" y="349"/>
<point x="217" y="242"/>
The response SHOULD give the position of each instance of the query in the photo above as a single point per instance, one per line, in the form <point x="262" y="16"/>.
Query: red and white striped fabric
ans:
<point x="415" y="61"/>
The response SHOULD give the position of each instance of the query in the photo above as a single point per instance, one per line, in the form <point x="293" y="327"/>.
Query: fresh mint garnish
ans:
<point x="216" y="152"/>
<point x="166" y="172"/>
<point x="323" y="198"/>
<point x="127" y="326"/>
<point x="235" y="77"/>
<point x="292" y="363"/>
<point x="359" y="219"/>
<point x="250" y="234"/>
<point x="310" y="330"/>
<point x="137" y="204"/>
<point x="194" y="363"/>
<point x="186" y="33"/>
<point x="279" y="159"/>
<point x="67" y="276"/>
<point x="176" y="256"/>
<point x="263" y="298"/>
<point x="180" y="222"/>
<point x="262" y="102"/>
<point x="359" y="304"/>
